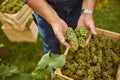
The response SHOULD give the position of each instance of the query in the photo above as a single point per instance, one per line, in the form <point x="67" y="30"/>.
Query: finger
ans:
<point x="89" y="37"/>
<point x="92" y="28"/>
<point x="64" y="42"/>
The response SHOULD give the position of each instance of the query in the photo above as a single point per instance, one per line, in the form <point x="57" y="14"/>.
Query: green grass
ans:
<point x="26" y="55"/>
<point x="109" y="16"/>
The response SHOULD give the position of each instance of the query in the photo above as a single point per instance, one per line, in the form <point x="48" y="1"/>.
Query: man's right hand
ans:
<point x="60" y="28"/>
<point x="49" y="14"/>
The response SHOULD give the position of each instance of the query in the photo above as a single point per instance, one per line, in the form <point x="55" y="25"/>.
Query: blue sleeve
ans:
<point x="25" y="1"/>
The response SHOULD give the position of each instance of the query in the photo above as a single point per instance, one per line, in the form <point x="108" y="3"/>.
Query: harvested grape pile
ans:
<point x="11" y="6"/>
<point x="97" y="61"/>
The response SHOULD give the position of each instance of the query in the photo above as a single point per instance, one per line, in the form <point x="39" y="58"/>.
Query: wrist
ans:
<point x="89" y="4"/>
<point x="87" y="11"/>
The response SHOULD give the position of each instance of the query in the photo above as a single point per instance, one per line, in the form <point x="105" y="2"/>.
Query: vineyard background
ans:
<point x="26" y="55"/>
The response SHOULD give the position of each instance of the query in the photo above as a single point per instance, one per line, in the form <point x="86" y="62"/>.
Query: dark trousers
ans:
<point x="70" y="16"/>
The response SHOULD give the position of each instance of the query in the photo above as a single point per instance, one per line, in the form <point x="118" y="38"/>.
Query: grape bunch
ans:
<point x="82" y="34"/>
<point x="76" y="37"/>
<point x="11" y="6"/>
<point x="81" y="42"/>
<point x="72" y="38"/>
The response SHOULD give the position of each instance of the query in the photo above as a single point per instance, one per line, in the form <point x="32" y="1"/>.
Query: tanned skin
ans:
<point x="58" y="25"/>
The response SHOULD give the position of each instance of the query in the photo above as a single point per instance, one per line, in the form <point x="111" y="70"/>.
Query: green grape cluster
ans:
<point x="97" y="61"/>
<point x="81" y="32"/>
<point x="11" y="6"/>
<point x="81" y="42"/>
<point x="76" y="37"/>
<point x="72" y="38"/>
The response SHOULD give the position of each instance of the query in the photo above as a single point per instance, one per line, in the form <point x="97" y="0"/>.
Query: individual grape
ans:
<point x="79" y="73"/>
<point x="94" y="59"/>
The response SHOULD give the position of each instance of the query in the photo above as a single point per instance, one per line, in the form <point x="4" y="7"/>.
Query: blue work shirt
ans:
<point x="61" y="3"/>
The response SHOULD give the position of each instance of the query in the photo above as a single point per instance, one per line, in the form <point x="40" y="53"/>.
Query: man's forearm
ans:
<point x="89" y="4"/>
<point x="44" y="10"/>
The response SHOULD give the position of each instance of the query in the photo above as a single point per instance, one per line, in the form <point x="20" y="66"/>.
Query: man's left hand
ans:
<point x="87" y="21"/>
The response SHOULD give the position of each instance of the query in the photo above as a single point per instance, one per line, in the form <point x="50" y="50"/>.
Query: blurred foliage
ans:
<point x="1" y="1"/>
<point x="101" y="3"/>
<point x="26" y="55"/>
<point x="109" y="16"/>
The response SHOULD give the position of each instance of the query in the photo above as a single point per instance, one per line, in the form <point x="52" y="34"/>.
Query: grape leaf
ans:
<point x="40" y="74"/>
<point x="25" y="76"/>
<point x="52" y="61"/>
<point x="6" y="70"/>
<point x="44" y="61"/>
<point x="14" y="69"/>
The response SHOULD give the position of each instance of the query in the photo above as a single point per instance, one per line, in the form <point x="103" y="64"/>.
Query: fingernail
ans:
<point x="69" y="46"/>
<point x="95" y="32"/>
<point x="63" y="40"/>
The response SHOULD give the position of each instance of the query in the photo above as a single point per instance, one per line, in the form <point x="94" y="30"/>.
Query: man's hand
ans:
<point x="87" y="21"/>
<point x="49" y="14"/>
<point x="59" y="29"/>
